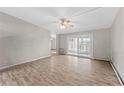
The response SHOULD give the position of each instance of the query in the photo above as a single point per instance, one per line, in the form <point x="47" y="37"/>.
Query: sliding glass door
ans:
<point x="84" y="46"/>
<point x="80" y="45"/>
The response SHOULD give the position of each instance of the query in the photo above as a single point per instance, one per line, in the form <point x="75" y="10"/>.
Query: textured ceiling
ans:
<point x="84" y="18"/>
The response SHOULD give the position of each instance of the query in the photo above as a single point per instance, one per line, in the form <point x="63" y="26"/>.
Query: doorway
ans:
<point x="53" y="43"/>
<point x="72" y="45"/>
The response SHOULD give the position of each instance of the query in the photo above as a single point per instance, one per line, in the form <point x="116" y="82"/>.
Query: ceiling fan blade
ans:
<point x="72" y="25"/>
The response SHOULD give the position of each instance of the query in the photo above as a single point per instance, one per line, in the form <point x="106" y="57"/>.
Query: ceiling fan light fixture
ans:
<point x="62" y="26"/>
<point x="64" y="23"/>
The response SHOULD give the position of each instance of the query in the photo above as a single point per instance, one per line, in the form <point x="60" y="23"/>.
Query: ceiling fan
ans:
<point x="65" y="23"/>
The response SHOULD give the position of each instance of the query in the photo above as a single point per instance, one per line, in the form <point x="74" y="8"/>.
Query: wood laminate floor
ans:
<point x="60" y="70"/>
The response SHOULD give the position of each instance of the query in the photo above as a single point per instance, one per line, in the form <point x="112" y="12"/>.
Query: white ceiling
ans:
<point x="84" y="18"/>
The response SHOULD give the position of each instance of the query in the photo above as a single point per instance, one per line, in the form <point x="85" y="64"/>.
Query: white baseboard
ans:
<point x="117" y="74"/>
<point x="104" y="59"/>
<point x="11" y="65"/>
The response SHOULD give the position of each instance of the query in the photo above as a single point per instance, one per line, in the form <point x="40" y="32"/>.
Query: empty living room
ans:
<point x="61" y="46"/>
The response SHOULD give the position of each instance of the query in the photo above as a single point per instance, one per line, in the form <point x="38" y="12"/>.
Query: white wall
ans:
<point x="117" y="43"/>
<point x="21" y="41"/>
<point x="101" y="43"/>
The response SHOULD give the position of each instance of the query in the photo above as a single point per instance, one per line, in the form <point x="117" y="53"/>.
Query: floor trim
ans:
<point x="8" y="66"/>
<point x="79" y="56"/>
<point x="117" y="74"/>
<point x="88" y="57"/>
